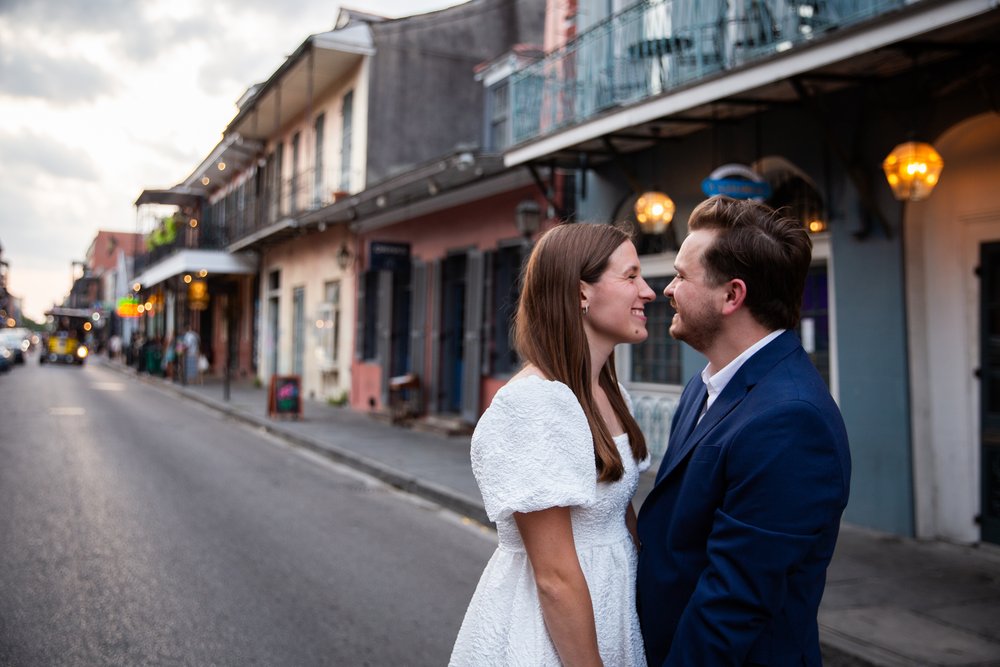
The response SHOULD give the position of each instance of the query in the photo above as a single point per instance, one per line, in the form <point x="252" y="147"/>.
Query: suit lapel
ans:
<point x="687" y="418"/>
<point x="689" y="434"/>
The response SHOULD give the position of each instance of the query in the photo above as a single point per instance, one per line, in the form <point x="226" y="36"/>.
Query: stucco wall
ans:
<point x="309" y="262"/>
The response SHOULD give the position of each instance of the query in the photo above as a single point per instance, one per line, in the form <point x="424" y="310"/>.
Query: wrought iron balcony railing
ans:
<point x="655" y="46"/>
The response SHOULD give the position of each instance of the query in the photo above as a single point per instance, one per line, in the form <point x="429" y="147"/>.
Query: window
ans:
<point x="347" y="122"/>
<point x="296" y="198"/>
<point x="658" y="358"/>
<point x="499" y="111"/>
<point x="814" y="327"/>
<point x="328" y="324"/>
<point x="279" y="195"/>
<point x="318" y="175"/>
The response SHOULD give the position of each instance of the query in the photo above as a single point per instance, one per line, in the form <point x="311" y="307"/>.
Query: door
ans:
<point x="298" y="330"/>
<point x="272" y="334"/>
<point x="990" y="390"/>
<point x="453" y="273"/>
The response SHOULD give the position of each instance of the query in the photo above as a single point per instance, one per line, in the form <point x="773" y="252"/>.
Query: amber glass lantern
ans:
<point x="654" y="211"/>
<point x="912" y="169"/>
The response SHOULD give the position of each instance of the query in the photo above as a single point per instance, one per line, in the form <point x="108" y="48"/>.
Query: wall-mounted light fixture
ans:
<point x="912" y="169"/>
<point x="344" y="257"/>
<point x="654" y="211"/>
<point x="528" y="217"/>
<point x="205" y="180"/>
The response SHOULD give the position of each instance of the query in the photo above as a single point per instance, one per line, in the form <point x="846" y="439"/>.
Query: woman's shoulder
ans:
<point x="531" y="388"/>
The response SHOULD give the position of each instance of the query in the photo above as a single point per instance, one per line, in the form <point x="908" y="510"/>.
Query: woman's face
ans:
<point x="615" y="304"/>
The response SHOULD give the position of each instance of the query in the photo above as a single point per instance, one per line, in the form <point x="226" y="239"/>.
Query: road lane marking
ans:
<point x="108" y="386"/>
<point x="67" y="412"/>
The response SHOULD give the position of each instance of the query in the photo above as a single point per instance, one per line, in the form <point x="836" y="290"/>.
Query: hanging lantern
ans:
<point x="912" y="169"/>
<point x="198" y="295"/>
<point x="654" y="211"/>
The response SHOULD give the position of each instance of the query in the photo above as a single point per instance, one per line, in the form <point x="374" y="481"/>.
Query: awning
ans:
<point x="215" y="262"/>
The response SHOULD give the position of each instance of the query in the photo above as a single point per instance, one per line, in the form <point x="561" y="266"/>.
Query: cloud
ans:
<point x="62" y="80"/>
<point x="32" y="153"/>
<point x="70" y="15"/>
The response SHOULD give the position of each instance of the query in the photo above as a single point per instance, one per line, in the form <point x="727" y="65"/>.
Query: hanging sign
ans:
<point x="737" y="181"/>
<point x="384" y="256"/>
<point x="128" y="307"/>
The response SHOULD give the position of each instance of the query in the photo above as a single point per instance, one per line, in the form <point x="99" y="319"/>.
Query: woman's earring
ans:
<point x="586" y="309"/>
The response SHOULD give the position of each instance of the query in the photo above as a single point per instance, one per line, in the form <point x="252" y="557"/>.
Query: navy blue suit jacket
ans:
<point x="740" y="527"/>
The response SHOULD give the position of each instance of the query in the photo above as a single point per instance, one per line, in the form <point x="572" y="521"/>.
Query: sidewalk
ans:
<point x="889" y="601"/>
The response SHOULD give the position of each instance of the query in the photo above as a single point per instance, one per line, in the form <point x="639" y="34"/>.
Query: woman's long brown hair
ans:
<point x="549" y="333"/>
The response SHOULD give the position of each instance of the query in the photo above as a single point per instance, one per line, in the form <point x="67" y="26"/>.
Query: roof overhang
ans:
<point x="215" y="262"/>
<point x="234" y="154"/>
<point x="175" y="196"/>
<point x="846" y="56"/>
<point x="318" y="63"/>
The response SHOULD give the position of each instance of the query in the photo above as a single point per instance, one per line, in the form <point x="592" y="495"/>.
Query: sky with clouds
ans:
<point x="104" y="98"/>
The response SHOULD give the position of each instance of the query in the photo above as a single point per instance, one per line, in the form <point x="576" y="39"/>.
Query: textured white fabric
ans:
<point x="533" y="450"/>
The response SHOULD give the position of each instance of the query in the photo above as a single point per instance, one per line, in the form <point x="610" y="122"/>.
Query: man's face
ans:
<point x="698" y="303"/>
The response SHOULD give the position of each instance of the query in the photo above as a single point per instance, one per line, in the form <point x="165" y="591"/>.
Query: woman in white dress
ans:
<point x="557" y="457"/>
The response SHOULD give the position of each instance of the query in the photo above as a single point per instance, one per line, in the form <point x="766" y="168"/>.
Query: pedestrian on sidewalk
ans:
<point x="557" y="457"/>
<point x="741" y="525"/>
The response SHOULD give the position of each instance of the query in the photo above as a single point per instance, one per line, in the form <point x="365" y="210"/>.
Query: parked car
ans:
<point x="16" y="344"/>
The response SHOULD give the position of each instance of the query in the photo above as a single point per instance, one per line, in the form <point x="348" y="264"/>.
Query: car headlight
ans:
<point x="82" y="352"/>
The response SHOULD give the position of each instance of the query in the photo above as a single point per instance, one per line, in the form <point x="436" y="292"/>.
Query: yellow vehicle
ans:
<point x="64" y="343"/>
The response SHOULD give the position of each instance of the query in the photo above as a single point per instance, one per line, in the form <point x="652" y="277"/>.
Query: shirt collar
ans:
<point x="717" y="382"/>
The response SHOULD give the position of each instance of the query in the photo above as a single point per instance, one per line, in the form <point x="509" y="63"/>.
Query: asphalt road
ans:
<point x="140" y="529"/>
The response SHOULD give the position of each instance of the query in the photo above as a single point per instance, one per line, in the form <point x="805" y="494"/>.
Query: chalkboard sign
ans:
<point x="284" y="396"/>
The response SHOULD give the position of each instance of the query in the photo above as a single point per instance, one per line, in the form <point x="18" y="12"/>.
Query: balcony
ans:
<point x="657" y="47"/>
<point x="262" y="212"/>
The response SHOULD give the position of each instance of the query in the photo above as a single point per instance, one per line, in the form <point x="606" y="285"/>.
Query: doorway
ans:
<point x="453" y="273"/>
<point x="989" y="374"/>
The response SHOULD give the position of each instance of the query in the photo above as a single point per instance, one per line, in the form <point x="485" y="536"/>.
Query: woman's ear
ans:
<point x="585" y="290"/>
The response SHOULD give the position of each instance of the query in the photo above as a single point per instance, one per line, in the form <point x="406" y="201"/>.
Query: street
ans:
<point x="138" y="528"/>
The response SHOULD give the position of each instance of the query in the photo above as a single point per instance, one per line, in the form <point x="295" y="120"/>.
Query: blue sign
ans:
<point x="737" y="188"/>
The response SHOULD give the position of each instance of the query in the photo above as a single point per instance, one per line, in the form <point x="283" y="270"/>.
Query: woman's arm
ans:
<point x="562" y="588"/>
<point x="632" y="525"/>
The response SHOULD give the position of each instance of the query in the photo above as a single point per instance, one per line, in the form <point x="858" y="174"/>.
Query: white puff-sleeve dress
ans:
<point x="533" y="450"/>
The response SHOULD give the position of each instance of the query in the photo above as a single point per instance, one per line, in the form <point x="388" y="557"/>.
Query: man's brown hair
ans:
<point x="769" y="252"/>
<point x="549" y="333"/>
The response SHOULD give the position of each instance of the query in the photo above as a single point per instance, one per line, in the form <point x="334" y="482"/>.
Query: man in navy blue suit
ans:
<point x="741" y="525"/>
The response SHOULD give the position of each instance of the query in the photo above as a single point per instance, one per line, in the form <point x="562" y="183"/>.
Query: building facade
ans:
<point x="799" y="104"/>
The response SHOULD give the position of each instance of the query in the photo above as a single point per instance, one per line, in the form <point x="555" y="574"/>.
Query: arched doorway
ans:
<point x="952" y="280"/>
